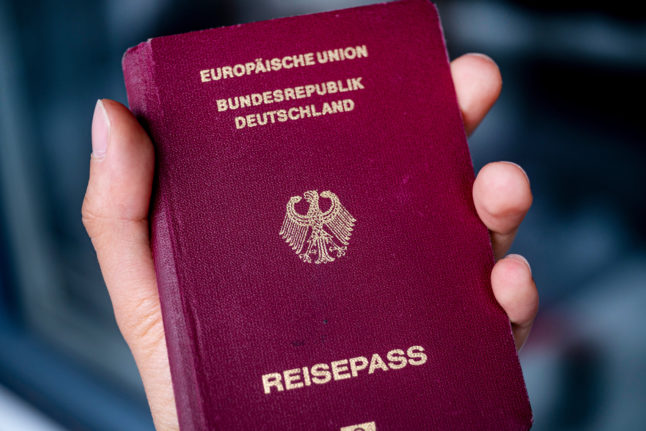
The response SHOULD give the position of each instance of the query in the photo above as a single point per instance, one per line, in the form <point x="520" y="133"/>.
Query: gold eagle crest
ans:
<point x="329" y="231"/>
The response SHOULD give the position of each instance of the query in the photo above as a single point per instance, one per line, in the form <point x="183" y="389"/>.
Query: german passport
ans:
<point x="320" y="262"/>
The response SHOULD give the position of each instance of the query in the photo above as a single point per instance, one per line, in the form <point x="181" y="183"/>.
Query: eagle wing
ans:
<point x="338" y="219"/>
<point x="295" y="226"/>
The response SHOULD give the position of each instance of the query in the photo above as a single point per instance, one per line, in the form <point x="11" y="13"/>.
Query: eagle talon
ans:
<point x="340" y="250"/>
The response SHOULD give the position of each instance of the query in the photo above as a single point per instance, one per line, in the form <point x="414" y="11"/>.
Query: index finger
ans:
<point x="477" y="82"/>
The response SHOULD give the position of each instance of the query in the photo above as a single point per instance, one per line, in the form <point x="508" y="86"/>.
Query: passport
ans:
<point x="320" y="262"/>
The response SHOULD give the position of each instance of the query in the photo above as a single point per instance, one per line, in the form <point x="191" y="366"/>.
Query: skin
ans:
<point x="115" y="215"/>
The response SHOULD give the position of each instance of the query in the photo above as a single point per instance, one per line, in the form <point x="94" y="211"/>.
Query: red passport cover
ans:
<point x="320" y="262"/>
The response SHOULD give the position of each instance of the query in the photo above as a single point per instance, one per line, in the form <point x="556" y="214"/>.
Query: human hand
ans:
<point x="115" y="215"/>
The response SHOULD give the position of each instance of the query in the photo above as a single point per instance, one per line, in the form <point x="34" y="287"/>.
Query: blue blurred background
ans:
<point x="571" y="113"/>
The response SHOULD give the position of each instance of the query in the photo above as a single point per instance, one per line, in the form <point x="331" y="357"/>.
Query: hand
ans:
<point x="115" y="215"/>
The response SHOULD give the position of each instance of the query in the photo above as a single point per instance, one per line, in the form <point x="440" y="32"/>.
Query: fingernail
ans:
<point x="519" y="167"/>
<point x="100" y="131"/>
<point x="522" y="259"/>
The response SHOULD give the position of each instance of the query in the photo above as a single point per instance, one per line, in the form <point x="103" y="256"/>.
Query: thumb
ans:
<point x="115" y="215"/>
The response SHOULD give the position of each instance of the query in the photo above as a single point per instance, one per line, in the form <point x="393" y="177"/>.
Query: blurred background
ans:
<point x="571" y="113"/>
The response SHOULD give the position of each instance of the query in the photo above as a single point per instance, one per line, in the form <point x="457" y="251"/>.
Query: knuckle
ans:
<point x="141" y="324"/>
<point x="89" y="217"/>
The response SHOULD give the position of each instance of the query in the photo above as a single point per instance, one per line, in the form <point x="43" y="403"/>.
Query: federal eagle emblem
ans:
<point x="327" y="233"/>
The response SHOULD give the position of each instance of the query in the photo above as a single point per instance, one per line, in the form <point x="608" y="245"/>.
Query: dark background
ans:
<point x="571" y="113"/>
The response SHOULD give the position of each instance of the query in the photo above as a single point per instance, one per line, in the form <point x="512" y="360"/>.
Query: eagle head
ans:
<point x="311" y="196"/>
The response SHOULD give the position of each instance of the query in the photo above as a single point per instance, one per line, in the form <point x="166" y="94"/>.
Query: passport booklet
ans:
<point x="320" y="262"/>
